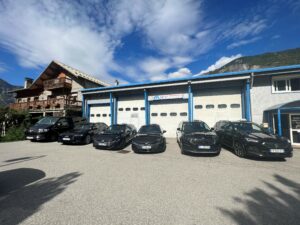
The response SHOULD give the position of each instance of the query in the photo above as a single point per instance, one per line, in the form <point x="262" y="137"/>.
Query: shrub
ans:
<point x="14" y="133"/>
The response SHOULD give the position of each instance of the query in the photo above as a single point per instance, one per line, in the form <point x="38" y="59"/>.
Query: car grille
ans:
<point x="275" y="144"/>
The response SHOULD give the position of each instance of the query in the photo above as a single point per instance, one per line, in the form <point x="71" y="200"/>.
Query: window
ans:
<point x="98" y="115"/>
<point x="163" y="114"/>
<point x="135" y="109"/>
<point x="127" y="109"/>
<point x="104" y="115"/>
<point x="173" y="114"/>
<point x="92" y="115"/>
<point x="286" y="84"/>
<point x="295" y="84"/>
<point x="153" y="114"/>
<point x="109" y="115"/>
<point x="280" y="85"/>
<point x="183" y="114"/>
<point x="235" y="106"/>
<point x="210" y="106"/>
<point x="198" y="106"/>
<point x="222" y="106"/>
<point x="121" y="109"/>
<point x="142" y="108"/>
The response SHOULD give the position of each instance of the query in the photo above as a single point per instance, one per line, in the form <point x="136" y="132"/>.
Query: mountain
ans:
<point x="5" y="97"/>
<point x="272" y="59"/>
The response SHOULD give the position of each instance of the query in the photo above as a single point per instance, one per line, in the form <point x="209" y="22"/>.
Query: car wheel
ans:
<point x="87" y="139"/>
<point x="239" y="150"/>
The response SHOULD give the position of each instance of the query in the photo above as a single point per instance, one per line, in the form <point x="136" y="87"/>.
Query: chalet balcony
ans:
<point x="47" y="105"/>
<point x="58" y="83"/>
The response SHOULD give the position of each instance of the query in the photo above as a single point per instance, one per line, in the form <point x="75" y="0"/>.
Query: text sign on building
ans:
<point x="98" y="101"/>
<point x="166" y="97"/>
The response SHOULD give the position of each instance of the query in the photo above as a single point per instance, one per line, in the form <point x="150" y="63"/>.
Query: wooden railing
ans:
<point x="57" y="83"/>
<point x="50" y="104"/>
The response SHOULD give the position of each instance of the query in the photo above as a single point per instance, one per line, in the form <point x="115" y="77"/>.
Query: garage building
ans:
<point x="269" y="96"/>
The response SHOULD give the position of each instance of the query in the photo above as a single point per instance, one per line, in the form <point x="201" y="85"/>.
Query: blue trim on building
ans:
<point x="147" y="108"/>
<point x="83" y="106"/>
<point x="248" y="100"/>
<point x="245" y="72"/>
<point x="243" y="103"/>
<point x="88" y="113"/>
<point x="190" y="104"/>
<point x="115" y="110"/>
<point x="279" y="122"/>
<point x="111" y="109"/>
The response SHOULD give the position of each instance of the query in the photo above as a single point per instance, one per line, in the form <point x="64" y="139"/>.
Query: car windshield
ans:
<point x="195" y="127"/>
<point x="115" y="129"/>
<point x="248" y="127"/>
<point x="82" y="126"/>
<point x="149" y="130"/>
<point x="48" y="120"/>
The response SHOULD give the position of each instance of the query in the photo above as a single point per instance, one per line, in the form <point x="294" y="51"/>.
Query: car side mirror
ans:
<point x="212" y="129"/>
<point x="164" y="131"/>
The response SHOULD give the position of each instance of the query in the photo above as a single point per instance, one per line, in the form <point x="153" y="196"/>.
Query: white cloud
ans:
<point x="2" y="67"/>
<point x="243" y="42"/>
<point x="219" y="63"/>
<point x="182" y="72"/>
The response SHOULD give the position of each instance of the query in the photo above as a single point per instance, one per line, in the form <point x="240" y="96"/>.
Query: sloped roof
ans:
<point x="79" y="73"/>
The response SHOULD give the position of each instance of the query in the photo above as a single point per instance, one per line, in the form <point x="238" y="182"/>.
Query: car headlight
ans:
<point x="43" y="130"/>
<point x="193" y="140"/>
<point x="252" y="140"/>
<point x="288" y="141"/>
<point x="215" y="139"/>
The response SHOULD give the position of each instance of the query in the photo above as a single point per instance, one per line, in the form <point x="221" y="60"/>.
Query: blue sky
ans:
<point x="140" y="40"/>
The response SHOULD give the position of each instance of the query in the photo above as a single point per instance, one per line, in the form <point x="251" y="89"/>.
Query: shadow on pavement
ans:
<point x="22" y="193"/>
<point x="277" y="206"/>
<point x="19" y="160"/>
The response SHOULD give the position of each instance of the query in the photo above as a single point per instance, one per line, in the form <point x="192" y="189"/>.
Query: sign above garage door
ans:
<point x="170" y="96"/>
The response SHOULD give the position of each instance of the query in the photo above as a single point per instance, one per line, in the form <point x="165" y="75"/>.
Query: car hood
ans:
<point x="106" y="137"/>
<point x="264" y="137"/>
<point x="200" y="134"/>
<point x="148" y="139"/>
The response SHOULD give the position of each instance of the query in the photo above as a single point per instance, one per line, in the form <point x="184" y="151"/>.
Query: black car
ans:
<point x="115" y="137"/>
<point x="149" y="139"/>
<point x="82" y="133"/>
<point x="249" y="139"/>
<point x="196" y="137"/>
<point x="49" y="128"/>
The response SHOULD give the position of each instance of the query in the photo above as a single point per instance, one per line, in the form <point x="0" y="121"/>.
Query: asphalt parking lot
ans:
<point x="50" y="183"/>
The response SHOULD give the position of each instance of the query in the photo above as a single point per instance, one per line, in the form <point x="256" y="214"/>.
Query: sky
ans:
<point x="140" y="40"/>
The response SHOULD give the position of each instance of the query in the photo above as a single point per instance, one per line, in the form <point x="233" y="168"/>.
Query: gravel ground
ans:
<point x="50" y="183"/>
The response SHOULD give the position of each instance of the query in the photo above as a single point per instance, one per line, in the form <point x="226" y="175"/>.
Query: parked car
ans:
<point x="48" y="128"/>
<point x="197" y="137"/>
<point x="149" y="139"/>
<point x="115" y="137"/>
<point x="249" y="139"/>
<point x="82" y="133"/>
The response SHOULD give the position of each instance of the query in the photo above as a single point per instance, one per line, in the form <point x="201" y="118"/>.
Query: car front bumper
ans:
<point x="107" y="145"/>
<point x="148" y="148"/>
<point x="37" y="136"/>
<point x="71" y="139"/>
<point x="261" y="151"/>
<point x="201" y="148"/>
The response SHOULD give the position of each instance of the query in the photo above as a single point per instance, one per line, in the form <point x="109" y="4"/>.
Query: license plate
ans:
<point x="66" y="139"/>
<point x="29" y="138"/>
<point x="204" y="147"/>
<point x="277" y="150"/>
<point x="146" y="147"/>
<point x="102" y="144"/>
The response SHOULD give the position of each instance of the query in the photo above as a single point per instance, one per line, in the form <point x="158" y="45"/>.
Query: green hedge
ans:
<point x="14" y="133"/>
